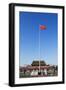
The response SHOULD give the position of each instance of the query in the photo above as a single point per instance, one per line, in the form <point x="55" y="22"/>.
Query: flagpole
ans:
<point x="39" y="49"/>
<point x="42" y="27"/>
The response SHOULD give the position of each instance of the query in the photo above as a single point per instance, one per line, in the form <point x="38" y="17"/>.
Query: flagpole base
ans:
<point x="39" y="73"/>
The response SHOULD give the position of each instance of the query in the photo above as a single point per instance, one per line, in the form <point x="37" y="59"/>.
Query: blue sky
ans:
<point x="29" y="37"/>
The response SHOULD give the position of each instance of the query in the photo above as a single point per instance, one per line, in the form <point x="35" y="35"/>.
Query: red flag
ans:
<point x="42" y="27"/>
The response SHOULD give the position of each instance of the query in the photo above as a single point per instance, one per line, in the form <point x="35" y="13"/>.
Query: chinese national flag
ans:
<point x="42" y="27"/>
